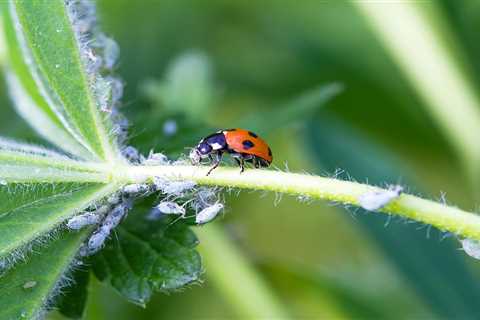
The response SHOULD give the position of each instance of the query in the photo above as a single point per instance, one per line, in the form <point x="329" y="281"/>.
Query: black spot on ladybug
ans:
<point x="252" y="134"/>
<point x="269" y="151"/>
<point x="247" y="144"/>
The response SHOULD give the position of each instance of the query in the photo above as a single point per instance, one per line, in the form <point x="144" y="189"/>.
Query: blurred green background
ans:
<point x="269" y="65"/>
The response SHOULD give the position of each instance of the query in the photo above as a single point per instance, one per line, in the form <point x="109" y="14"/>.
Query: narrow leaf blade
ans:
<point x="26" y="289"/>
<point x="29" y="102"/>
<point x="60" y="72"/>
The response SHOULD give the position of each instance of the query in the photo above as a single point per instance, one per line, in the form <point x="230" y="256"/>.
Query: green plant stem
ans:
<point x="235" y="278"/>
<point x="2" y="43"/>
<point x="425" y="56"/>
<point x="446" y="218"/>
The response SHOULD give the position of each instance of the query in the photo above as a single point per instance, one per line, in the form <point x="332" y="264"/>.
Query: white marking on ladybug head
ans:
<point x="216" y="146"/>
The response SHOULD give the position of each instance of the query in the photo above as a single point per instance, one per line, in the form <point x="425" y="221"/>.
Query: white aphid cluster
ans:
<point x="204" y="203"/>
<point x="107" y="217"/>
<point x="471" y="247"/>
<point x="99" y="55"/>
<point x="376" y="200"/>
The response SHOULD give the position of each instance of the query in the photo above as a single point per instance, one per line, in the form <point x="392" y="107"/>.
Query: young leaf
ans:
<point x="30" y="103"/>
<point x="55" y="61"/>
<point x="299" y="108"/>
<point x="148" y="257"/>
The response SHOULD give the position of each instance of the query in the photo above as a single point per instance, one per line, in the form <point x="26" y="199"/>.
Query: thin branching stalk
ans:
<point x="443" y="217"/>
<point x="247" y="292"/>
<point x="424" y="54"/>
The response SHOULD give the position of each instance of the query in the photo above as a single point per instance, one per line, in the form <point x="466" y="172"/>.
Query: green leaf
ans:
<point x="295" y="110"/>
<point x="29" y="212"/>
<point x="435" y="270"/>
<point x="148" y="256"/>
<point x="188" y="87"/>
<point x="27" y="287"/>
<point x="39" y="190"/>
<point x="54" y="78"/>
<point x="31" y="105"/>
<point x="71" y="303"/>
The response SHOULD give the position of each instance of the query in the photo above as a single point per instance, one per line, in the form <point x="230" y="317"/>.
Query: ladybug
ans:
<point x="242" y="145"/>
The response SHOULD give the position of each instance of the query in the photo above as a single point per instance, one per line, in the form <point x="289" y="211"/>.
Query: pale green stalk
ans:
<point x="446" y="218"/>
<point x="235" y="278"/>
<point x="2" y="43"/>
<point x="428" y="62"/>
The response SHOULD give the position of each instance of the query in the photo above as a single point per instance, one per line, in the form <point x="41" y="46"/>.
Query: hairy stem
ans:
<point x="446" y="218"/>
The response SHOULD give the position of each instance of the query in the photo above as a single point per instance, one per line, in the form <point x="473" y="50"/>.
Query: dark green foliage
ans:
<point x="147" y="256"/>
<point x="72" y="300"/>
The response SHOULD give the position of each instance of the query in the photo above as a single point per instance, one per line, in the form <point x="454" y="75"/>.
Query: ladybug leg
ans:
<point x="242" y="164"/>
<point x="216" y="162"/>
<point x="256" y="163"/>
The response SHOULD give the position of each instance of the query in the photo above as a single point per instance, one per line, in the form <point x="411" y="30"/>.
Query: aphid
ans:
<point x="156" y="159"/>
<point x="29" y="284"/>
<point x="243" y="145"/>
<point x="208" y="214"/>
<point x="376" y="200"/>
<point x="132" y="154"/>
<point x="136" y="188"/>
<point x="97" y="240"/>
<point x="169" y="207"/>
<point x="471" y="247"/>
<point x="82" y="220"/>
<point x="177" y="188"/>
<point x="204" y="197"/>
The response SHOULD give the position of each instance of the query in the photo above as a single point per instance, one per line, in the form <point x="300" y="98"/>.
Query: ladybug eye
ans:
<point x="204" y="148"/>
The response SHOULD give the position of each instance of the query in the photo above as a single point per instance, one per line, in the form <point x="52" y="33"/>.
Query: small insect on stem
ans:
<point x="376" y="200"/>
<point x="169" y="207"/>
<point x="137" y="189"/>
<point x="154" y="159"/>
<point x="208" y="214"/>
<point x="83" y="220"/>
<point x="243" y="145"/>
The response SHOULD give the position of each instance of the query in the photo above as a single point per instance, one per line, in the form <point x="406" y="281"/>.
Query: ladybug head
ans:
<point x="204" y="148"/>
<point x="201" y="151"/>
